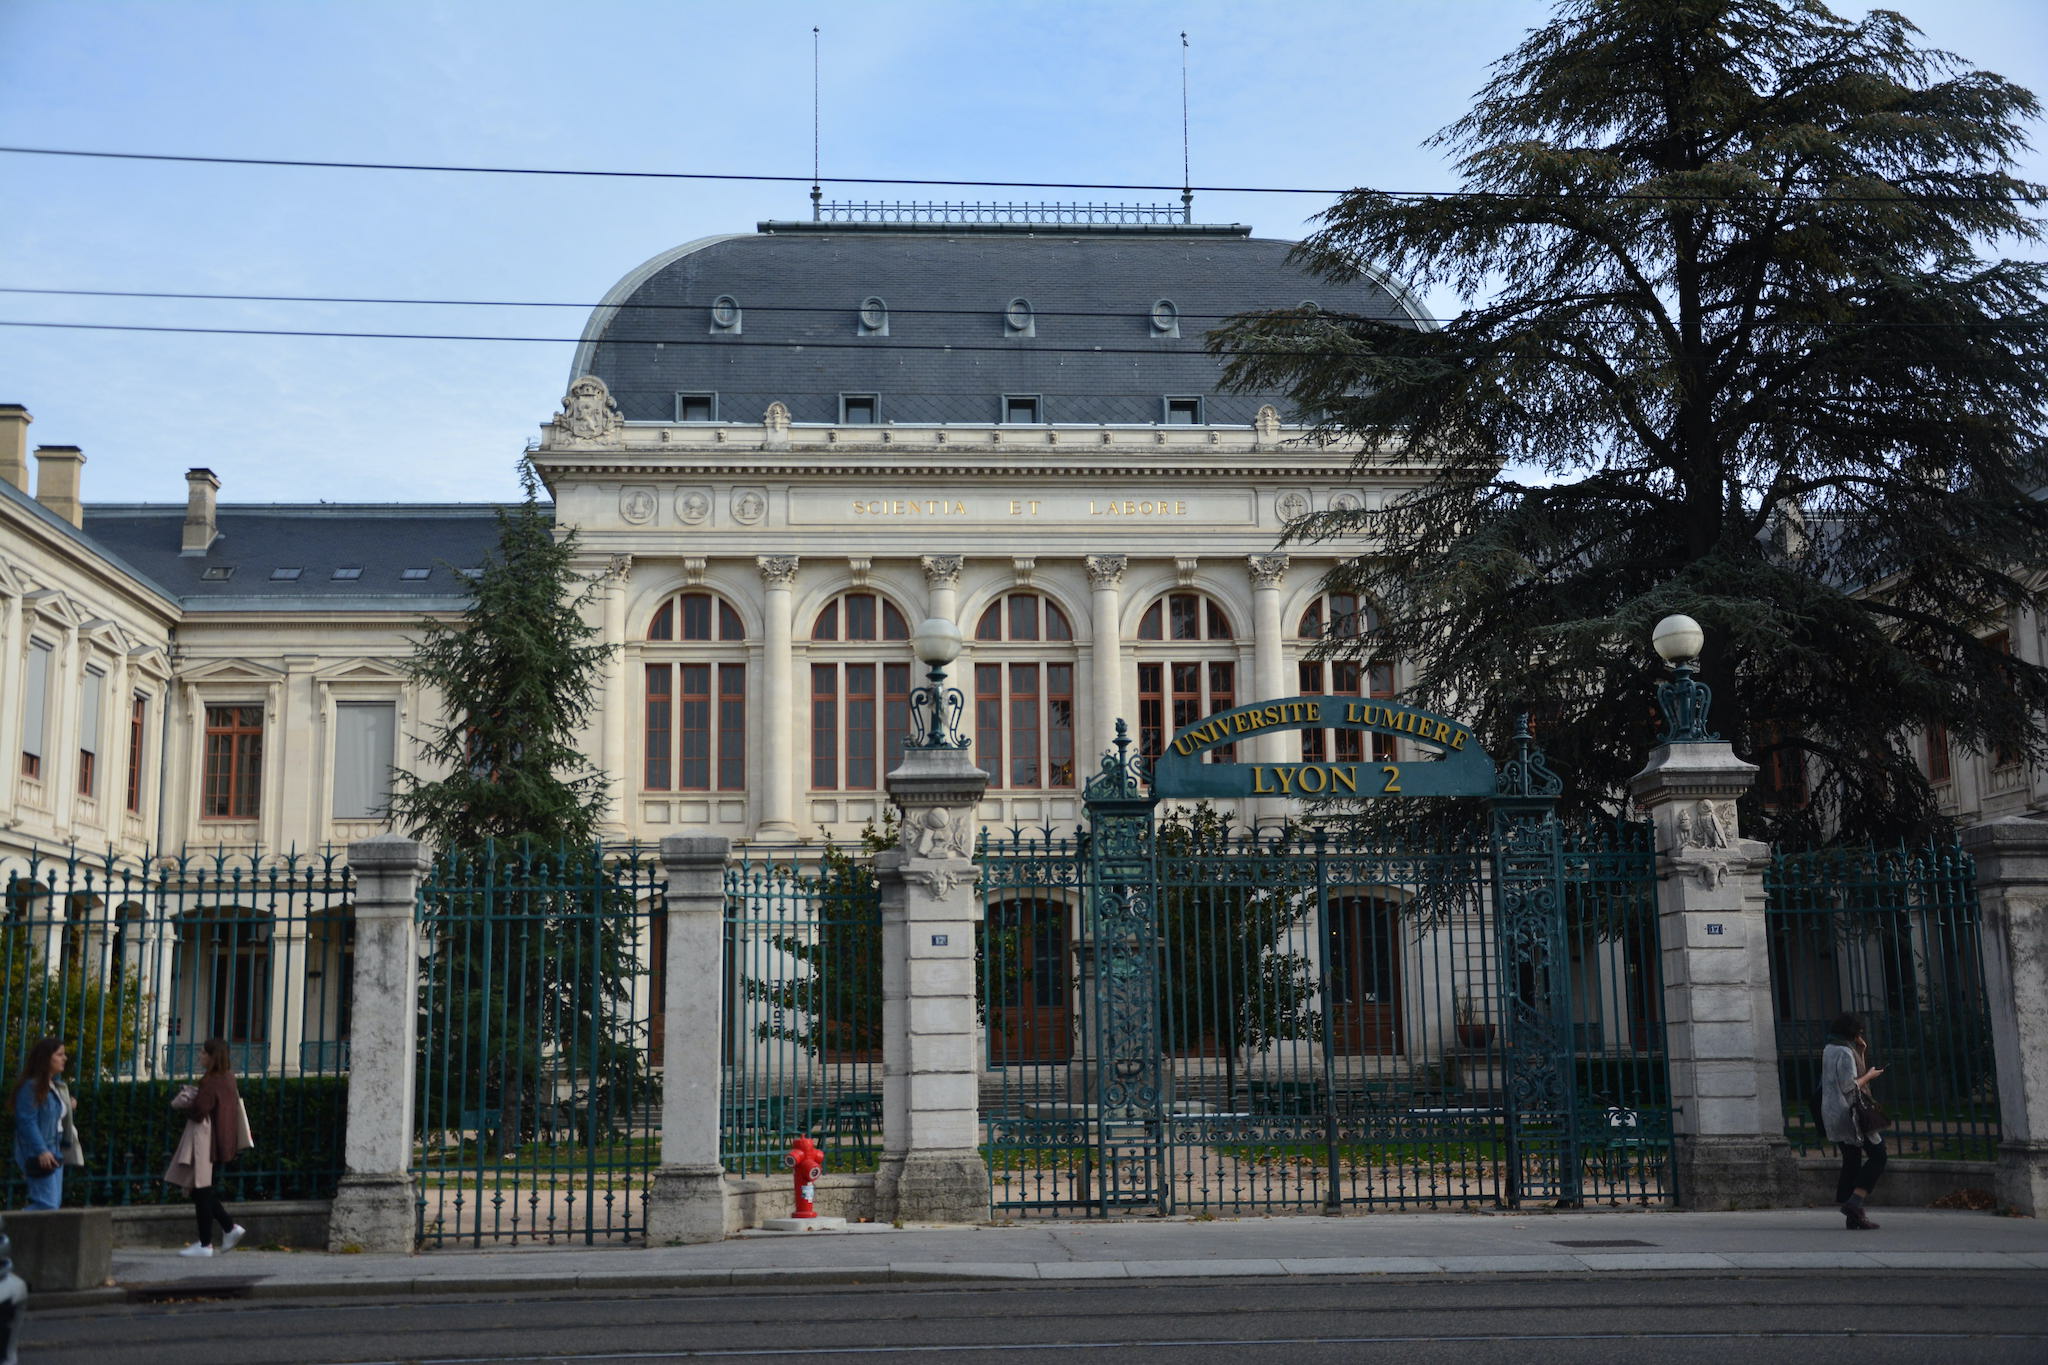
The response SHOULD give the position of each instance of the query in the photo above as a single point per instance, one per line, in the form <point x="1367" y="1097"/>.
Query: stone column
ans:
<point x="942" y="581"/>
<point x="1728" y="1120"/>
<point x="778" y="668"/>
<point x="931" y="1168"/>
<point x="617" y="704"/>
<point x="2012" y="896"/>
<point x="374" y="1210"/>
<point x="688" y="1200"/>
<point x="1269" y="667"/>
<point x="1106" y="651"/>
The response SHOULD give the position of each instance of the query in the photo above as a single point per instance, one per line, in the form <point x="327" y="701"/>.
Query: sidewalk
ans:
<point x="1380" y="1244"/>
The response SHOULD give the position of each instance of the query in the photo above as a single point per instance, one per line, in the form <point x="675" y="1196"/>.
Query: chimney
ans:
<point x="14" y="420"/>
<point x="200" y="528"/>
<point x="57" y="481"/>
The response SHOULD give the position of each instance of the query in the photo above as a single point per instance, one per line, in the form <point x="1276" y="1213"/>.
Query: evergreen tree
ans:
<point x="1738" y="356"/>
<point x="529" y="925"/>
<point x="518" y="677"/>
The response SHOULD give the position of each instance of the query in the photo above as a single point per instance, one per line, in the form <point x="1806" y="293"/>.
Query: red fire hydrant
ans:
<point x="806" y="1163"/>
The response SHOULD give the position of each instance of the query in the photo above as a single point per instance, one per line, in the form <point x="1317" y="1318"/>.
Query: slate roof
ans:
<point x="800" y="286"/>
<point x="382" y="540"/>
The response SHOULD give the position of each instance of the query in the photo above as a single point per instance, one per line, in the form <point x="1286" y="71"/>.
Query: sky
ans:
<point x="1300" y="93"/>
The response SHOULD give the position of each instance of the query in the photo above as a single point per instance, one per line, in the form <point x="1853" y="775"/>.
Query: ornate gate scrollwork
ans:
<point x="1535" y="979"/>
<point x="1121" y="943"/>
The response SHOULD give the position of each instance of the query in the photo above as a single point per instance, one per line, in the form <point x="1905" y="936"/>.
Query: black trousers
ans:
<point x="208" y="1209"/>
<point x="1861" y="1166"/>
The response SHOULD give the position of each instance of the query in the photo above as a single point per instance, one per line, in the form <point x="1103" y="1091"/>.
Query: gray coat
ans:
<point x="1839" y="1068"/>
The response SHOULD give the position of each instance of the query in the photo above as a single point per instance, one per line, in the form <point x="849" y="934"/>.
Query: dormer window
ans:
<point x="1183" y="412"/>
<point x="1165" y="319"/>
<point x="696" y="407"/>
<point x="285" y="575"/>
<point x="874" y="317"/>
<point x="1019" y="320"/>
<point x="1021" y="407"/>
<point x="725" y="315"/>
<point x="859" y="409"/>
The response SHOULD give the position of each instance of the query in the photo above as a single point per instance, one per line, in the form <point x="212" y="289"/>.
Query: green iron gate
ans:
<point x="1187" y="1016"/>
<point x="538" y="1104"/>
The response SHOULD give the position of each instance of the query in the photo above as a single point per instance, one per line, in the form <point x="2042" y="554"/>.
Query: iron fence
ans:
<point x="1020" y="211"/>
<point x="1331" y="1023"/>
<point x="1891" y="935"/>
<point x="134" y="962"/>
<point x="538" y="1089"/>
<point x="802" y="1033"/>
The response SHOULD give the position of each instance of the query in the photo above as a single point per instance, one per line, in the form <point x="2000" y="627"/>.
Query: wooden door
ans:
<point x="1365" y="976"/>
<point x="1030" y="1008"/>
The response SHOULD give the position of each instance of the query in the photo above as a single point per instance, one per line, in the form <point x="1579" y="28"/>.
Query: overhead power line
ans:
<point x="842" y="309"/>
<point x="1903" y="196"/>
<point x="731" y="343"/>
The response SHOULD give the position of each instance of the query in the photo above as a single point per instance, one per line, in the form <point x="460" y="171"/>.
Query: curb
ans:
<point x="1053" y="1272"/>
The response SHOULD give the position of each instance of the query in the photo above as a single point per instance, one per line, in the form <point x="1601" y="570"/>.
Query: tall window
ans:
<point x="1195" y="678"/>
<point x="365" y="743"/>
<point x="232" y="785"/>
<point x="695" y="725"/>
<point x="1024" y="697"/>
<point x="1343" y="616"/>
<point x="138" y="723"/>
<point x="35" y="702"/>
<point x="2002" y="756"/>
<point x="90" y="700"/>
<point x="860" y="703"/>
<point x="1939" y="770"/>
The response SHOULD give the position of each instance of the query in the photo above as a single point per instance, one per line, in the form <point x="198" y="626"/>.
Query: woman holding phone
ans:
<point x="1845" y="1075"/>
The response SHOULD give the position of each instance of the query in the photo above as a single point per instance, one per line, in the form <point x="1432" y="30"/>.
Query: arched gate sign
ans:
<point x="1188" y="767"/>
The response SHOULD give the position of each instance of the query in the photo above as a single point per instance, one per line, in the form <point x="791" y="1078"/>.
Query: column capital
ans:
<point x="942" y="571"/>
<point x="1268" y="572"/>
<point x="1106" y="571"/>
<point x="777" y="571"/>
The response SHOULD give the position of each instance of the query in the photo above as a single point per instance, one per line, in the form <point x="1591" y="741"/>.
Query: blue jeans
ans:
<point x="45" y="1191"/>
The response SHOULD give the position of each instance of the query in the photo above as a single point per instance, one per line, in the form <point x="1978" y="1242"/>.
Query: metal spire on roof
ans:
<point x="1187" y="193"/>
<point x="817" y="193"/>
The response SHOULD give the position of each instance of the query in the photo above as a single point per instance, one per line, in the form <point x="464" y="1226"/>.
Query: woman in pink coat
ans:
<point x="216" y="1132"/>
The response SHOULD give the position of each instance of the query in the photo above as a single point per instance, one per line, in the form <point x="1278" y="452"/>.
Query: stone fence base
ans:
<point x="1907" y="1184"/>
<point x="750" y="1199"/>
<point x="300" y="1224"/>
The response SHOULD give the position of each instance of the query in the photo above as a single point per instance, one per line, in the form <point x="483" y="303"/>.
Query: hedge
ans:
<point x="129" y="1132"/>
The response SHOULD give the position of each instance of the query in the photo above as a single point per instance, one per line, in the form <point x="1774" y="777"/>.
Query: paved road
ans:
<point x="1810" y="1319"/>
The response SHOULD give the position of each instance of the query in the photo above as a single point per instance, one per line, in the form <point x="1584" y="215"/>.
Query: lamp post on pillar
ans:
<point x="1728" y="1119"/>
<point x="931" y="1167"/>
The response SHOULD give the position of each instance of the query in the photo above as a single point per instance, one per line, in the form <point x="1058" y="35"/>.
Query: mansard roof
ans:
<point x="323" y="542"/>
<point x="1111" y="325"/>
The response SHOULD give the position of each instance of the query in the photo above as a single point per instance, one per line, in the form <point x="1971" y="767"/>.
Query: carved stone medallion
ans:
<point x="636" y="505"/>
<point x="693" y="506"/>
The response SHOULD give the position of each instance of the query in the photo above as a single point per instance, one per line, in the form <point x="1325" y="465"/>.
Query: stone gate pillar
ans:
<point x="931" y="1168"/>
<point x="688" y="1203"/>
<point x="375" y="1208"/>
<point x="1727" y="1116"/>
<point x="2012" y="895"/>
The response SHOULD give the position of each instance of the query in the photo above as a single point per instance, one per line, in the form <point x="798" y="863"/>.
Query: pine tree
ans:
<point x="529" y="926"/>
<point x="518" y="678"/>
<point x="1735" y="353"/>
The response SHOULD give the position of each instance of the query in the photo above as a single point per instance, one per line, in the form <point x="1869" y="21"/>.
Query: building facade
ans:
<point x="780" y="451"/>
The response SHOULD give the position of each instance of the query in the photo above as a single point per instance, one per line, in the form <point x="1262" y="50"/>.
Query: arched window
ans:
<point x="1343" y="616"/>
<point x="1197" y="677"/>
<point x="694" y="733"/>
<point x="1024" y="693"/>
<point x="860" y="701"/>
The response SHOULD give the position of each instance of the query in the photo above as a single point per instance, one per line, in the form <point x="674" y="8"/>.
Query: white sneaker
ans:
<point x="197" y="1249"/>
<point x="233" y="1237"/>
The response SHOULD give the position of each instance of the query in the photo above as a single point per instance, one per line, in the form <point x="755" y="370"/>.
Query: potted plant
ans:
<point x="1473" y="1029"/>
